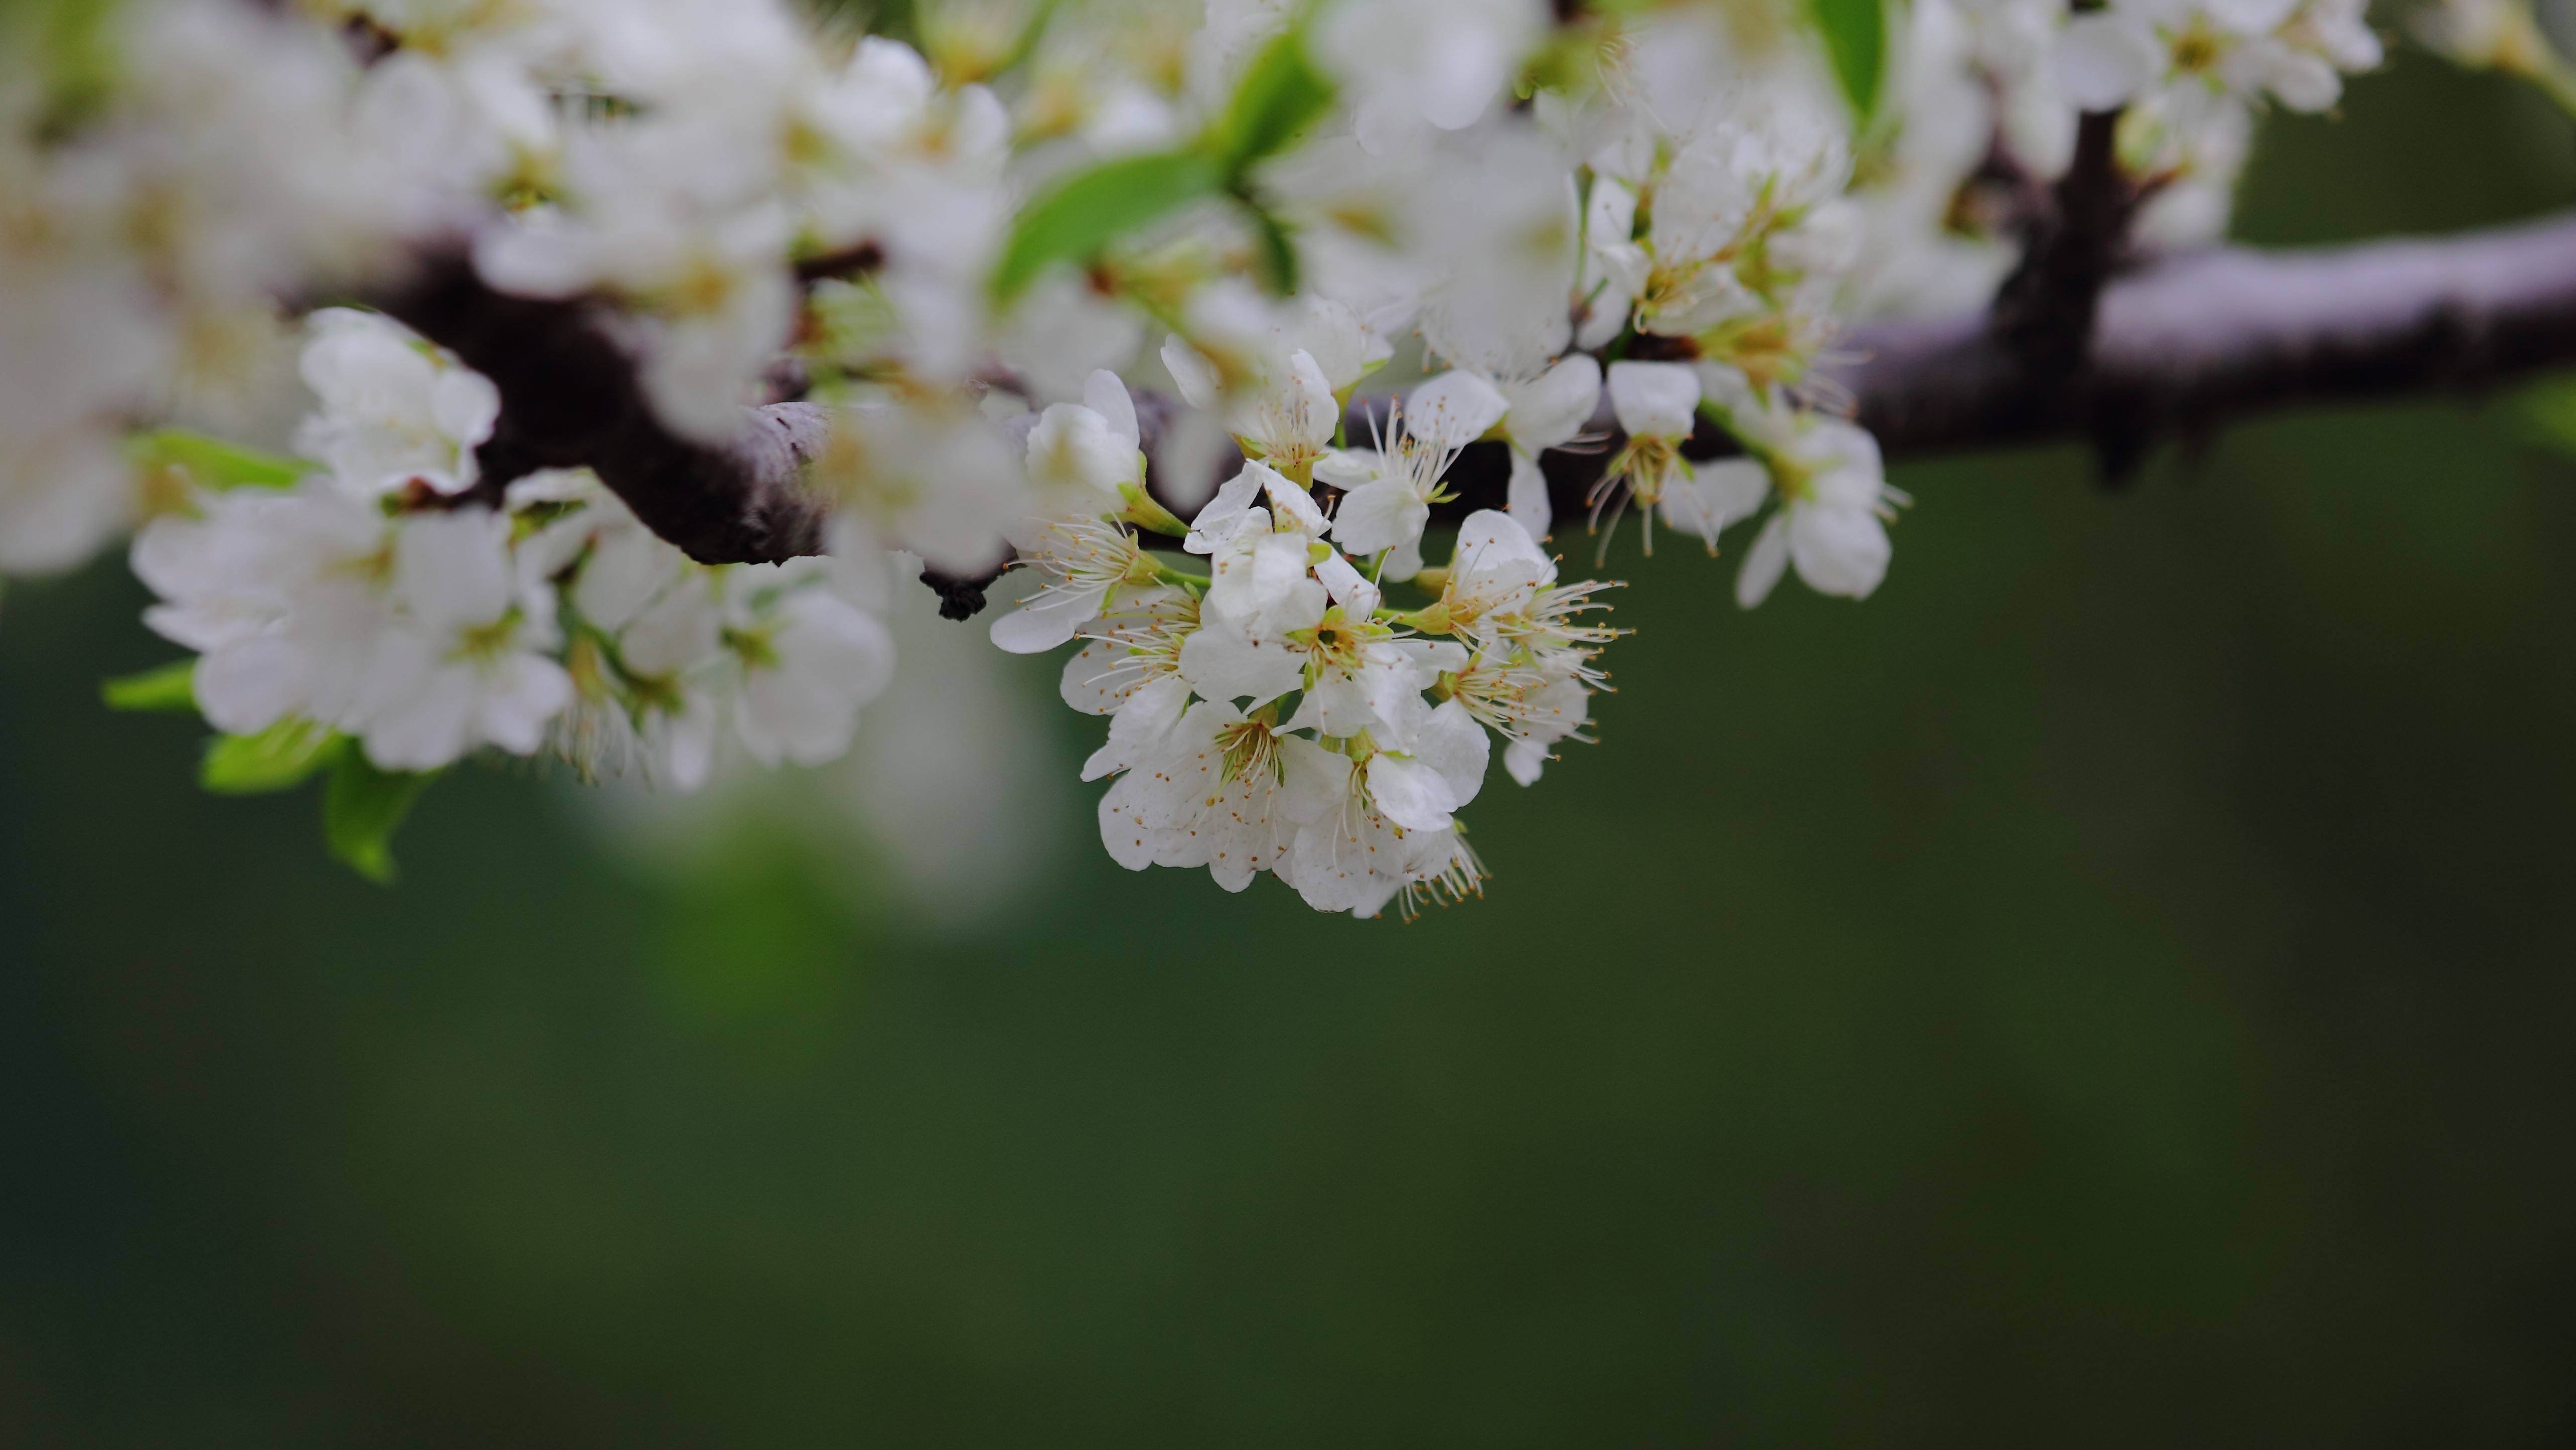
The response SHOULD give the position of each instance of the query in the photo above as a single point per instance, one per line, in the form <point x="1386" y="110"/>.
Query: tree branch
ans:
<point x="570" y="397"/>
<point x="2204" y="339"/>
<point x="2182" y="346"/>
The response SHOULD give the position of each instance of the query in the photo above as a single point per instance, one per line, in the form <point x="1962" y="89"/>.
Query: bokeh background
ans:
<point x="2116" y="987"/>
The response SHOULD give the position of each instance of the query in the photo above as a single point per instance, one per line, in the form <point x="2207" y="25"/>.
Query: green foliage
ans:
<point x="1855" y="35"/>
<point x="1278" y="252"/>
<point x="70" y="46"/>
<point x="1085" y="213"/>
<point x="281" y="757"/>
<point x="363" y="807"/>
<point x="2548" y="411"/>
<point x="214" y="463"/>
<point x="1281" y="95"/>
<point x="171" y="689"/>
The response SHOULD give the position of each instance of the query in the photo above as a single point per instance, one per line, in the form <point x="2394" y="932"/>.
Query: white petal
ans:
<point x="1839" y="550"/>
<point x="1715" y="495"/>
<point x="1410" y="793"/>
<point x="1552" y="408"/>
<point x="1454" y="409"/>
<point x="1350" y="589"/>
<point x="1452" y="743"/>
<point x="2105" y="60"/>
<point x="466" y="405"/>
<point x="1526" y="496"/>
<point x="1047" y="619"/>
<point x="1104" y="394"/>
<point x="1379" y="516"/>
<point x="1488" y="540"/>
<point x="453" y="569"/>
<point x="1231" y="501"/>
<point x="1192" y="371"/>
<point x="1763" y="563"/>
<point x="1654" y="399"/>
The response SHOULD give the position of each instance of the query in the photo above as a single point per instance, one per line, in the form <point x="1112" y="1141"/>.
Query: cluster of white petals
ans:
<point x="1048" y="273"/>
<point x="367" y="599"/>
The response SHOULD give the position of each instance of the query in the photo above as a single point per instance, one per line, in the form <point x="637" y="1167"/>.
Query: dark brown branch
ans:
<point x="570" y="397"/>
<point x="2201" y="340"/>
<point x="2178" y="348"/>
<point x="2044" y="311"/>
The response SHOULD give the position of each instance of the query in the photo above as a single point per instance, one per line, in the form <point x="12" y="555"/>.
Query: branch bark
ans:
<point x="2180" y="347"/>
<point x="570" y="396"/>
<point x="2200" y="340"/>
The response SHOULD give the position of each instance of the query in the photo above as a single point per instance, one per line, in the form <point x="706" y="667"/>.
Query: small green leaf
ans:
<point x="1278" y="251"/>
<point x="1855" y="33"/>
<point x="1090" y="210"/>
<point x="1280" y="96"/>
<point x="361" y="810"/>
<point x="171" y="689"/>
<point x="214" y="463"/>
<point x="280" y="757"/>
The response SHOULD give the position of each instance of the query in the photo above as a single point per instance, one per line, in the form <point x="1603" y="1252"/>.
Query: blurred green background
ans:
<point x="2116" y="987"/>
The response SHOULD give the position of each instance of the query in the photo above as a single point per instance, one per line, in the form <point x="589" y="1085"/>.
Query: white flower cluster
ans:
<point x="1629" y="233"/>
<point x="1275" y="714"/>
<point x="1983" y="82"/>
<point x="367" y="599"/>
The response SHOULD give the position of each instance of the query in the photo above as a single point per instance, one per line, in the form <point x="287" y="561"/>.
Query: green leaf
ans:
<point x="1278" y="251"/>
<point x="361" y="810"/>
<point x="214" y="463"/>
<point x="1090" y="210"/>
<point x="280" y="757"/>
<point x="1280" y="96"/>
<point x="1855" y="33"/>
<point x="171" y="688"/>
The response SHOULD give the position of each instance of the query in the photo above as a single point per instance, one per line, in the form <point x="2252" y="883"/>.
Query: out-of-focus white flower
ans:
<point x="2295" y="51"/>
<point x="395" y="411"/>
<point x="809" y="661"/>
<point x="282" y="594"/>
<point x="943" y="483"/>
<point x="1285" y="415"/>
<point x="1440" y="62"/>
<point x="466" y="660"/>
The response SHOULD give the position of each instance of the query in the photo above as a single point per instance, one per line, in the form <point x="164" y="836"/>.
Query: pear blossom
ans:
<point x="395" y="411"/>
<point x="1390" y="493"/>
<point x="1286" y="415"/>
<point x="808" y="660"/>
<point x="1832" y="521"/>
<point x="465" y="661"/>
<point x="1657" y="404"/>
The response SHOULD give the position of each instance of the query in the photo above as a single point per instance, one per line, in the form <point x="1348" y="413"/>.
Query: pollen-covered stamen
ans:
<point x="1452" y="884"/>
<point x="1251" y="751"/>
<point x="1090" y="554"/>
<point x="487" y="644"/>
<point x="1639" y="471"/>
<point x="1523" y="698"/>
<point x="1153" y="639"/>
<point x="1338" y="641"/>
<point x="1549" y="621"/>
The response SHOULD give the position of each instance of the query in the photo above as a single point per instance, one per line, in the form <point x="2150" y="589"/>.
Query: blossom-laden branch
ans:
<point x="2179" y="348"/>
<point x="2198" y="341"/>
<point x="570" y="397"/>
<point x="2182" y="348"/>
